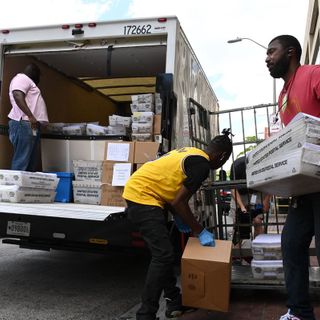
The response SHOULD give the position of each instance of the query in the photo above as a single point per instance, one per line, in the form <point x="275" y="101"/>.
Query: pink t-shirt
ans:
<point x="33" y="99"/>
<point x="301" y="93"/>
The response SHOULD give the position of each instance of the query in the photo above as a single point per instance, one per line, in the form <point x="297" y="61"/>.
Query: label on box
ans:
<point x="118" y="151"/>
<point x="121" y="173"/>
<point x="194" y="281"/>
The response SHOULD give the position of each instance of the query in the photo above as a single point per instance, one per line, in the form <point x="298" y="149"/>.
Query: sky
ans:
<point x="237" y="71"/>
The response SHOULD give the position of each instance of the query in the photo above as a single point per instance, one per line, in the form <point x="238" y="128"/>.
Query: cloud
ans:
<point x="208" y="25"/>
<point x="47" y="12"/>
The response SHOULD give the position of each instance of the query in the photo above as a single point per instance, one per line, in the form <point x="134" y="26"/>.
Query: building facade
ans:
<point x="310" y="52"/>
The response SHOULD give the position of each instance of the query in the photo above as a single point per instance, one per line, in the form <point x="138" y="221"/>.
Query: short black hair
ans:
<point x="288" y="41"/>
<point x="221" y="143"/>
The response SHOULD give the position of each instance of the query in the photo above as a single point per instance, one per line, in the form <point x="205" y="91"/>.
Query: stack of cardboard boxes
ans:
<point x="102" y="182"/>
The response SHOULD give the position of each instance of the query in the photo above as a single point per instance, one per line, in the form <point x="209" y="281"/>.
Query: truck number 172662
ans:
<point x="137" y="29"/>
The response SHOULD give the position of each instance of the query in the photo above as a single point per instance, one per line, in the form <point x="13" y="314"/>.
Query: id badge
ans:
<point x="253" y="199"/>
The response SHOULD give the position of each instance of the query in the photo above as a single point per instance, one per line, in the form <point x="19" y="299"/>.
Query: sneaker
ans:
<point x="175" y="309"/>
<point x="289" y="316"/>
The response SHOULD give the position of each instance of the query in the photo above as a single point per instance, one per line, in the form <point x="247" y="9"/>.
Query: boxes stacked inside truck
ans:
<point x="142" y="108"/>
<point x="267" y="257"/>
<point x="119" y="125"/>
<point x="23" y="186"/>
<point x="287" y="164"/>
<point x="102" y="182"/>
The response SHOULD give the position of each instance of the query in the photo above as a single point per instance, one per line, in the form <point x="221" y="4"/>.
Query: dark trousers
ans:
<point x="160" y="276"/>
<point x="303" y="222"/>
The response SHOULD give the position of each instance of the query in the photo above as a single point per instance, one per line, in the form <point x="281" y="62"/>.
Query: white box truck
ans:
<point x="89" y="72"/>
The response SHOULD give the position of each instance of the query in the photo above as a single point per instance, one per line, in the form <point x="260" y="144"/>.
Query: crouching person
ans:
<point x="170" y="181"/>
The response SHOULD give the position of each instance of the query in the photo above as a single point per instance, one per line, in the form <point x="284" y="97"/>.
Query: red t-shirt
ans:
<point x="301" y="93"/>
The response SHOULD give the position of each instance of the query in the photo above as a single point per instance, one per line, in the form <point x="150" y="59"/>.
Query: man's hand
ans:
<point x="33" y="122"/>
<point x="206" y="238"/>
<point x="182" y="227"/>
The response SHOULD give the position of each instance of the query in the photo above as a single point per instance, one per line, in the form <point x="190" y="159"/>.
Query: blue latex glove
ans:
<point x="206" y="238"/>
<point x="180" y="225"/>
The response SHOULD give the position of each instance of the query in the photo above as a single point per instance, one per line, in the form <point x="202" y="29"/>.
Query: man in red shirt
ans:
<point x="300" y="93"/>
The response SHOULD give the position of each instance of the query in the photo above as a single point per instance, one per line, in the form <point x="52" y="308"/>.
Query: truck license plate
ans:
<point x="17" y="228"/>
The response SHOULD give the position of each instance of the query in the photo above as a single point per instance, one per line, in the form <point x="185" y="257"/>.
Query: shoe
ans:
<point x="289" y="316"/>
<point x="175" y="309"/>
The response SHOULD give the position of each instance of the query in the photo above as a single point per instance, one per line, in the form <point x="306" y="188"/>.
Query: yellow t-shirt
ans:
<point x="157" y="182"/>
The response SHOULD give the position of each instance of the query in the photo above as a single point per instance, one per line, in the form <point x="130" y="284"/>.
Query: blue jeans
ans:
<point x="160" y="276"/>
<point x="303" y="222"/>
<point x="25" y="145"/>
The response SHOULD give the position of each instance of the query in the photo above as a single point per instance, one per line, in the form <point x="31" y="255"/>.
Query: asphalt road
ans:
<point x="56" y="285"/>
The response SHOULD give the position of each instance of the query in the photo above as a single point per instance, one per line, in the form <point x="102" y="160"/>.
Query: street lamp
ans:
<point x="238" y="39"/>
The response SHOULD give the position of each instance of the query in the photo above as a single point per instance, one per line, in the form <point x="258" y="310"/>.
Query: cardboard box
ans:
<point x="293" y="173"/>
<point x="112" y="196"/>
<point x="206" y="275"/>
<point x="157" y="124"/>
<point x="119" y="151"/>
<point x="145" y="151"/>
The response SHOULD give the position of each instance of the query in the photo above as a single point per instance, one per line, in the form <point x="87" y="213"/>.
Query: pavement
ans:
<point x="245" y="304"/>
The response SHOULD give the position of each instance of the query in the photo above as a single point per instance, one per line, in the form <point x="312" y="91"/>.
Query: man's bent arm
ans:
<point x="180" y="206"/>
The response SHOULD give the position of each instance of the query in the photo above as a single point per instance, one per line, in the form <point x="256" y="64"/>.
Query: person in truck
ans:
<point x="300" y="93"/>
<point x="27" y="113"/>
<point x="169" y="182"/>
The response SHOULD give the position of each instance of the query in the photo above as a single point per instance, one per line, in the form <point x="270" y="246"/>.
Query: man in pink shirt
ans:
<point x="28" y="112"/>
<point x="300" y="93"/>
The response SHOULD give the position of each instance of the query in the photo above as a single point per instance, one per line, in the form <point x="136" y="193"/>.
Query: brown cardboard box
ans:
<point x="145" y="151"/>
<point x="112" y="145"/>
<point x="112" y="196"/>
<point x="206" y="275"/>
<point x="157" y="124"/>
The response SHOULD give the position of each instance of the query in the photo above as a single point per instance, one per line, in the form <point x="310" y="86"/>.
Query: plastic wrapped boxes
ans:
<point x="267" y="257"/>
<point x="287" y="164"/>
<point x="23" y="186"/>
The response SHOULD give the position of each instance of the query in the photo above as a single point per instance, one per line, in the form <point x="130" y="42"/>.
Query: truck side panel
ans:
<point x="189" y="82"/>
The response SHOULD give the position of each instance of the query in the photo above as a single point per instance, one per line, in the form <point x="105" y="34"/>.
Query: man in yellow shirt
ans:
<point x="170" y="181"/>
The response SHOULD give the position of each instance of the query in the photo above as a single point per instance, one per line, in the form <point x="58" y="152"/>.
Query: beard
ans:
<point x="281" y="67"/>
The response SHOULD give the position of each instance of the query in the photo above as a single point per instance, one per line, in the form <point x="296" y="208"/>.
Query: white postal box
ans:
<point x="267" y="269"/>
<point x="142" y="127"/>
<point x="142" y="117"/>
<point x="143" y="98"/>
<point x="96" y="130"/>
<point x="302" y="129"/>
<point x="267" y="247"/>
<point x="87" y="170"/>
<point x="141" y="107"/>
<point x="88" y="192"/>
<point x="39" y="180"/>
<point x="293" y="173"/>
<point x="16" y="194"/>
